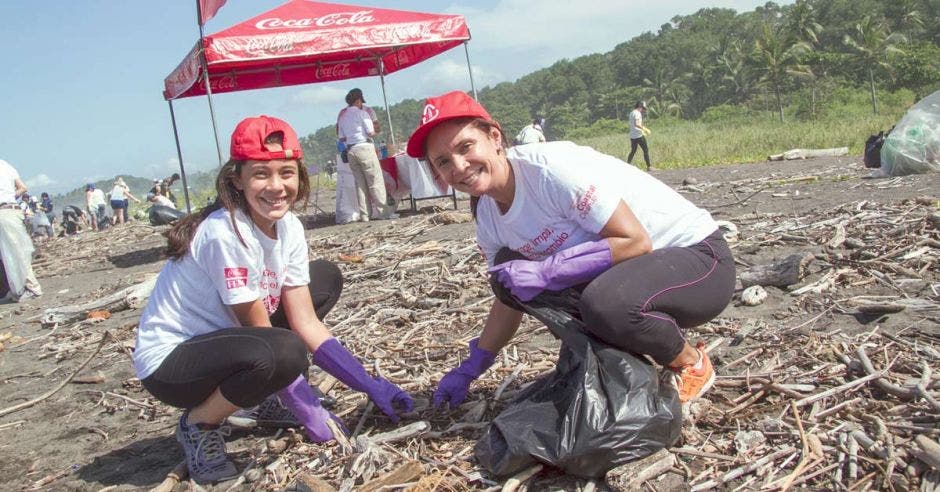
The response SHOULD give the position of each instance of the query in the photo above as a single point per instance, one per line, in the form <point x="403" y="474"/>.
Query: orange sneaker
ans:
<point x="693" y="383"/>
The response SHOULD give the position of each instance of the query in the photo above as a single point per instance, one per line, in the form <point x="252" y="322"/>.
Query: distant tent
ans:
<point x="303" y="42"/>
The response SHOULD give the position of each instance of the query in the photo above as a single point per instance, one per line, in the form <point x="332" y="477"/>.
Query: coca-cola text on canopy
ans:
<point x="334" y="19"/>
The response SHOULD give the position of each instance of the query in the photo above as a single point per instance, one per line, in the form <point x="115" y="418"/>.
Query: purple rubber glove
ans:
<point x="300" y="399"/>
<point x="336" y="360"/>
<point x="575" y="265"/>
<point x="454" y="385"/>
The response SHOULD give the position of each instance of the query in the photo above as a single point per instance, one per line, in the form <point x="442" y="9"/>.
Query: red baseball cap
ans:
<point x="456" y="104"/>
<point x="249" y="136"/>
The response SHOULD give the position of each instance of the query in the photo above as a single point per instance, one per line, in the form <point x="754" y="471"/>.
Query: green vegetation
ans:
<point x="832" y="70"/>
<point x="725" y="135"/>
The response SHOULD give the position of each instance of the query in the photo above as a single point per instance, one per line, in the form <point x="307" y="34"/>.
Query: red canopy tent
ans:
<point x="303" y="42"/>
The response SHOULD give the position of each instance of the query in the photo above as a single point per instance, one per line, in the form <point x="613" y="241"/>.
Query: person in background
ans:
<point x="355" y="127"/>
<point x="16" y="248"/>
<point x="644" y="262"/>
<point x="95" y="205"/>
<point x="638" y="133"/>
<point x="160" y="200"/>
<point x="166" y="189"/>
<point x="45" y="204"/>
<point x="205" y="341"/>
<point x="73" y="220"/>
<point x="531" y="133"/>
<point x="119" y="195"/>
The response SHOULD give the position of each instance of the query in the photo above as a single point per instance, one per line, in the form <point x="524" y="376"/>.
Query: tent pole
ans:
<point x="388" y="114"/>
<point x="473" y="87"/>
<point x="179" y="155"/>
<point x="205" y="68"/>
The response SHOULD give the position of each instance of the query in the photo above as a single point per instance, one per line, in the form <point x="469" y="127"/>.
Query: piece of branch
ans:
<point x="838" y="389"/>
<point x="882" y="383"/>
<point x="741" y="470"/>
<point x="307" y="482"/>
<point x="630" y="476"/>
<point x="129" y="298"/>
<point x="518" y="479"/>
<point x="179" y="474"/>
<point x="782" y="273"/>
<point x="27" y="404"/>
<point x="403" y="474"/>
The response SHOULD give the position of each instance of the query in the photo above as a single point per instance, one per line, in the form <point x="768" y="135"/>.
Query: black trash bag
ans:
<point x="601" y="407"/>
<point x="872" y="157"/>
<point x="161" y="215"/>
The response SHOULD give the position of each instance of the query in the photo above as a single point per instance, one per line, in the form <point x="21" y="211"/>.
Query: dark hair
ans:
<point x="230" y="198"/>
<point x="485" y="126"/>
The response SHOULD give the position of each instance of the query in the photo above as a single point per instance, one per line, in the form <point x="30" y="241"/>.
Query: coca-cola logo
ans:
<point x="271" y="43"/>
<point x="338" y="70"/>
<point x="222" y="83"/>
<point x="430" y="112"/>
<point x="334" y="19"/>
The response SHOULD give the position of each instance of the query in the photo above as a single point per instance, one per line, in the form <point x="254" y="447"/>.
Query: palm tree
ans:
<point x="778" y="53"/>
<point x="736" y="72"/>
<point x="872" y="43"/>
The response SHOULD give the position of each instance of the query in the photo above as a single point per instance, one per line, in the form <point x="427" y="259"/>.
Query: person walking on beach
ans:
<point x="119" y="195"/>
<point x="638" y="133"/>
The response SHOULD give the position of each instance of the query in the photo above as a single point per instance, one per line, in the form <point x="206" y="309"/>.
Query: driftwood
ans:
<point x="308" y="482"/>
<point x="808" y="153"/>
<point x="179" y="474"/>
<point x="782" y="273"/>
<point x="631" y="476"/>
<point x="130" y="298"/>
<point x="403" y="474"/>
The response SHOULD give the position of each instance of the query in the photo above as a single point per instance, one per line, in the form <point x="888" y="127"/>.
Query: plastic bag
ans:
<point x="16" y="249"/>
<point x="599" y="409"/>
<point x="913" y="147"/>
<point x="161" y="215"/>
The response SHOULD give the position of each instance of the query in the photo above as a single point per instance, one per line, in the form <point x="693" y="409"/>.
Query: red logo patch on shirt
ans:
<point x="235" y="277"/>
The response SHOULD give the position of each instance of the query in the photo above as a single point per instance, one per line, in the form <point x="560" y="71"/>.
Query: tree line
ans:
<point x="791" y="61"/>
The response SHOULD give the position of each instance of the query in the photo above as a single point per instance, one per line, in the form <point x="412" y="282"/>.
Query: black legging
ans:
<point x="246" y="363"/>
<point x="634" y="142"/>
<point x="640" y="304"/>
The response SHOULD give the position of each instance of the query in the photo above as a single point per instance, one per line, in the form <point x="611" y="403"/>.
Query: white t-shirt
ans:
<point x="96" y="198"/>
<point x="8" y="177"/>
<point x="117" y="193"/>
<point x="531" y="133"/>
<point x="163" y="201"/>
<point x="566" y="193"/>
<point x="193" y="294"/>
<point x="636" y="118"/>
<point x="354" y="125"/>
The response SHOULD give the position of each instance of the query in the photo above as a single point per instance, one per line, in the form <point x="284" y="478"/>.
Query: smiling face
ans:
<point x="270" y="190"/>
<point x="469" y="158"/>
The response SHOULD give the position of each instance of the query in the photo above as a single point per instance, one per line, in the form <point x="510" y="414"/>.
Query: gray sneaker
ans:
<point x="205" y="452"/>
<point x="269" y="413"/>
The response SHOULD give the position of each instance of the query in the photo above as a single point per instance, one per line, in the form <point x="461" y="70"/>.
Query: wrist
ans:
<point x="479" y="361"/>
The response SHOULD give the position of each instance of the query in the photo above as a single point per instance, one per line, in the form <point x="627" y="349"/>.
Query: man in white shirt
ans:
<point x="15" y="244"/>
<point x="355" y="126"/>
<point x="638" y="133"/>
<point x="531" y="133"/>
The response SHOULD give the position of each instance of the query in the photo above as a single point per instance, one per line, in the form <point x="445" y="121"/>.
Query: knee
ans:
<point x="290" y="356"/>
<point x="326" y="272"/>
<point x="499" y="290"/>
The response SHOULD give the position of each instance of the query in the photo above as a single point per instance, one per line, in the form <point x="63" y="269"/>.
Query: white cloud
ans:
<point x="453" y="74"/>
<point x="39" y="181"/>
<point x="319" y="96"/>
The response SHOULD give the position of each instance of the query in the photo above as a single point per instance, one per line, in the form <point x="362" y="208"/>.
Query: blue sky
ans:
<point x="81" y="93"/>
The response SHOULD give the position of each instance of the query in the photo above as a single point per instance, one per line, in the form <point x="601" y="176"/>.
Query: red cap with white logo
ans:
<point x="456" y="104"/>
<point x="249" y="136"/>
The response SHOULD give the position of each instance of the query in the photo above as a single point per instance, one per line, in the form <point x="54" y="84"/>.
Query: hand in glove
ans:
<point x="573" y="266"/>
<point x="453" y="387"/>
<point x="301" y="400"/>
<point x="336" y="360"/>
<point x="646" y="131"/>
